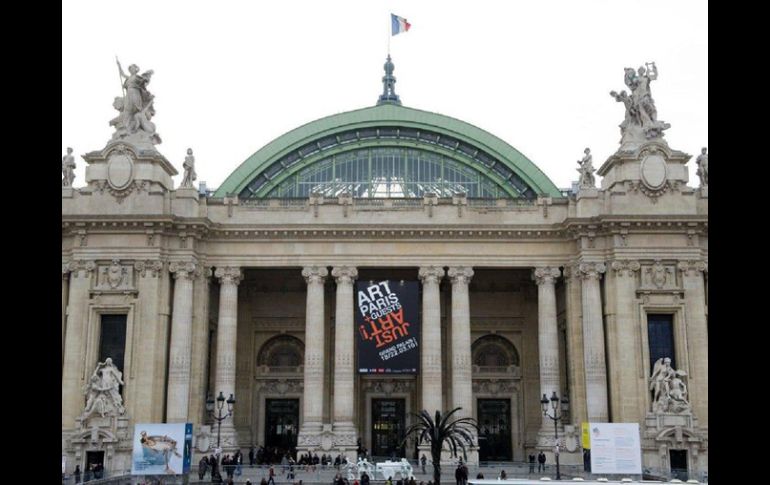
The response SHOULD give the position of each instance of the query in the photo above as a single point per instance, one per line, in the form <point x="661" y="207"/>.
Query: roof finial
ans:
<point x="389" y="95"/>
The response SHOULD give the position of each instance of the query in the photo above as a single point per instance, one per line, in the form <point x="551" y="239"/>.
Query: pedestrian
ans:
<point x="541" y="461"/>
<point x="271" y="474"/>
<point x="423" y="461"/>
<point x="459" y="475"/>
<point x="531" y="463"/>
<point x="364" y="478"/>
<point x="252" y="456"/>
<point x="464" y="471"/>
<point x="586" y="460"/>
<point x="263" y="482"/>
<point x="77" y="473"/>
<point x="480" y="476"/>
<point x="248" y="482"/>
<point x="503" y="475"/>
<point x="202" y="467"/>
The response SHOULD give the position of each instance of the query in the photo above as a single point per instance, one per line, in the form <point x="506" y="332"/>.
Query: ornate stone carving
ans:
<point x="314" y="274"/>
<point x="344" y="274"/>
<point x="189" y="170"/>
<point x="658" y="276"/>
<point x="591" y="270"/>
<point x="389" y="386"/>
<point x="545" y="275"/>
<point x="692" y="268"/>
<point x="460" y="275"/>
<point x="625" y="267"/>
<point x="229" y="275"/>
<point x="494" y="387"/>
<point x="183" y="269"/>
<point x="641" y="123"/>
<point x="431" y="274"/>
<point x="586" y="170"/>
<point x="703" y="167"/>
<point x="281" y="386"/>
<point x="669" y="392"/>
<point x="103" y="391"/>
<point x="136" y="109"/>
<point x="68" y="169"/>
<point x="149" y="268"/>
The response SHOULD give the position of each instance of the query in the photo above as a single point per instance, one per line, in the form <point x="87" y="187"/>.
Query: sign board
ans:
<point x="162" y="449"/>
<point x="387" y="320"/>
<point x="615" y="448"/>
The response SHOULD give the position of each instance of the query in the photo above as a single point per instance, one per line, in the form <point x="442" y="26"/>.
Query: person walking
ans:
<point x="423" y="461"/>
<point x="202" y="467"/>
<point x="77" y="473"/>
<point x="252" y="456"/>
<point x="271" y="474"/>
<point x="503" y="475"/>
<point x="531" y="463"/>
<point x="541" y="462"/>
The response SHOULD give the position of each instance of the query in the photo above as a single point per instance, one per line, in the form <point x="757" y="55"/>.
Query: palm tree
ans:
<point x="457" y="434"/>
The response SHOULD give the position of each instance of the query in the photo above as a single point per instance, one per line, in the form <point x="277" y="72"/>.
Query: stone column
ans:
<point x="200" y="347"/>
<point x="623" y="344"/>
<point x="343" y="351"/>
<point x="697" y="337"/>
<point x="65" y="283"/>
<point x="312" y="409"/>
<point x="227" y="325"/>
<point x="432" y="397"/>
<point x="73" y="376"/>
<point x="593" y="342"/>
<point x="462" y="395"/>
<point x="575" y="367"/>
<point x="547" y="336"/>
<point x="180" y="350"/>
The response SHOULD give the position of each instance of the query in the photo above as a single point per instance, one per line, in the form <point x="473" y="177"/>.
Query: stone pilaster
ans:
<point x="181" y="342"/>
<point x="593" y="342"/>
<point x="227" y="325"/>
<point x="547" y="336"/>
<point x="575" y="367"/>
<point x="697" y="337"/>
<point x="200" y="346"/>
<point x="432" y="396"/>
<point x="312" y="410"/>
<point x="73" y="375"/>
<point x="344" y="350"/>
<point x="65" y="283"/>
<point x="623" y="343"/>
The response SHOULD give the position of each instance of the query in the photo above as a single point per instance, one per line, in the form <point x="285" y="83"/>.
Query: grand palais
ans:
<point x="596" y="294"/>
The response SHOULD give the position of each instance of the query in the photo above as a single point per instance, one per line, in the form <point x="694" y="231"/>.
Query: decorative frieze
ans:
<point x="281" y="387"/>
<point x="495" y="387"/>
<point x="658" y="276"/>
<point x="388" y="386"/>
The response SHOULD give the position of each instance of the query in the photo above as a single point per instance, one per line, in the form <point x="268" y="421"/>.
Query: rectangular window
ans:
<point x="113" y="339"/>
<point x="660" y="334"/>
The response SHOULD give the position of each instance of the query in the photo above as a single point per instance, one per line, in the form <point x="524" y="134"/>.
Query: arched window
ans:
<point x="282" y="351"/>
<point x="494" y="351"/>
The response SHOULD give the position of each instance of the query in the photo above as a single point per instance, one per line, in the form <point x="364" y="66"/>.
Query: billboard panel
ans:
<point x="616" y="448"/>
<point x="387" y="317"/>
<point x="162" y="449"/>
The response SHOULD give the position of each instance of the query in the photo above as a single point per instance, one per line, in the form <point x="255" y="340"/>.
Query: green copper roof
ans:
<point x="389" y="115"/>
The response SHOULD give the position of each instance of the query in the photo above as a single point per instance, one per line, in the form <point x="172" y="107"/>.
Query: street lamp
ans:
<point x="220" y="404"/>
<point x="557" y="416"/>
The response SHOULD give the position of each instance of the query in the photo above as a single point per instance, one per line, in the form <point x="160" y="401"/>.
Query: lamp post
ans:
<point x="556" y="417"/>
<point x="220" y="405"/>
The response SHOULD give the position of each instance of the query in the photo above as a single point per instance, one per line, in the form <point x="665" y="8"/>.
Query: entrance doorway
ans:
<point x="678" y="464"/>
<point x="281" y="424"/>
<point x="94" y="465"/>
<point x="388" y="426"/>
<point x="494" y="429"/>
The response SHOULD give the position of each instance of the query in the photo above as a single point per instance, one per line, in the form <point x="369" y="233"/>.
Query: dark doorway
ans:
<point x="388" y="426"/>
<point x="281" y="424"/>
<point x="94" y="465"/>
<point x="494" y="429"/>
<point x="678" y="464"/>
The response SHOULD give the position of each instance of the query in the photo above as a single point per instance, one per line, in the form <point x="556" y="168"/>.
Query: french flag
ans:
<point x="398" y="24"/>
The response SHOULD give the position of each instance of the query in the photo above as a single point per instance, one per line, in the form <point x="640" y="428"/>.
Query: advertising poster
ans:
<point x="616" y="448"/>
<point x="162" y="449"/>
<point x="387" y="319"/>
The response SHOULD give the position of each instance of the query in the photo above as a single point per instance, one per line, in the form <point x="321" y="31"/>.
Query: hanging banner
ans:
<point x="162" y="449"/>
<point x="387" y="319"/>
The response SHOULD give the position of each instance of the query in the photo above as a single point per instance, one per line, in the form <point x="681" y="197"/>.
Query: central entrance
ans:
<point x="281" y="424"/>
<point x="494" y="429"/>
<point x="388" y="426"/>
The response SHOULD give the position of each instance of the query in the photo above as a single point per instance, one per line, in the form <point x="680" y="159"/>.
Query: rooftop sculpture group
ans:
<point x="586" y="171"/>
<point x="641" y="122"/>
<point x="135" y="107"/>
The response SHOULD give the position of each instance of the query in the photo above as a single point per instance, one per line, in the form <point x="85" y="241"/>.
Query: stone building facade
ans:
<point x="526" y="289"/>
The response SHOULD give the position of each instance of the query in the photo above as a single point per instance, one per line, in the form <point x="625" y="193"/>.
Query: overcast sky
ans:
<point x="230" y="76"/>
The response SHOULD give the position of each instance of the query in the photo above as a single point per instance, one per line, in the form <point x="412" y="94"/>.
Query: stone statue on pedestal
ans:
<point x="703" y="167"/>
<point x="641" y="121"/>
<point x="669" y="392"/>
<point x="586" y="170"/>
<point x="189" y="169"/>
<point x="103" y="391"/>
<point x="136" y="108"/>
<point x="68" y="169"/>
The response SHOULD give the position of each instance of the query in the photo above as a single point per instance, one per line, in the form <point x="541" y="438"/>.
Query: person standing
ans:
<point x="423" y="461"/>
<point x="202" y="467"/>
<point x="531" y="463"/>
<point x="271" y="474"/>
<point x="541" y="462"/>
<point x="251" y="456"/>
<point x="77" y="473"/>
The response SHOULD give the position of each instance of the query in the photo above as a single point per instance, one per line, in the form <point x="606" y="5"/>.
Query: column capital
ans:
<point x="229" y="275"/>
<point x="431" y="274"/>
<point x="149" y="267"/>
<point x="75" y="266"/>
<point x="589" y="271"/>
<point x="692" y="267"/>
<point x="66" y="268"/>
<point x="344" y="274"/>
<point x="315" y="274"/>
<point x="460" y="274"/>
<point x="623" y="267"/>
<point x="545" y="275"/>
<point x="183" y="269"/>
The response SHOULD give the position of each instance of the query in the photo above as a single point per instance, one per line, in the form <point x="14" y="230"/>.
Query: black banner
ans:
<point x="388" y="323"/>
